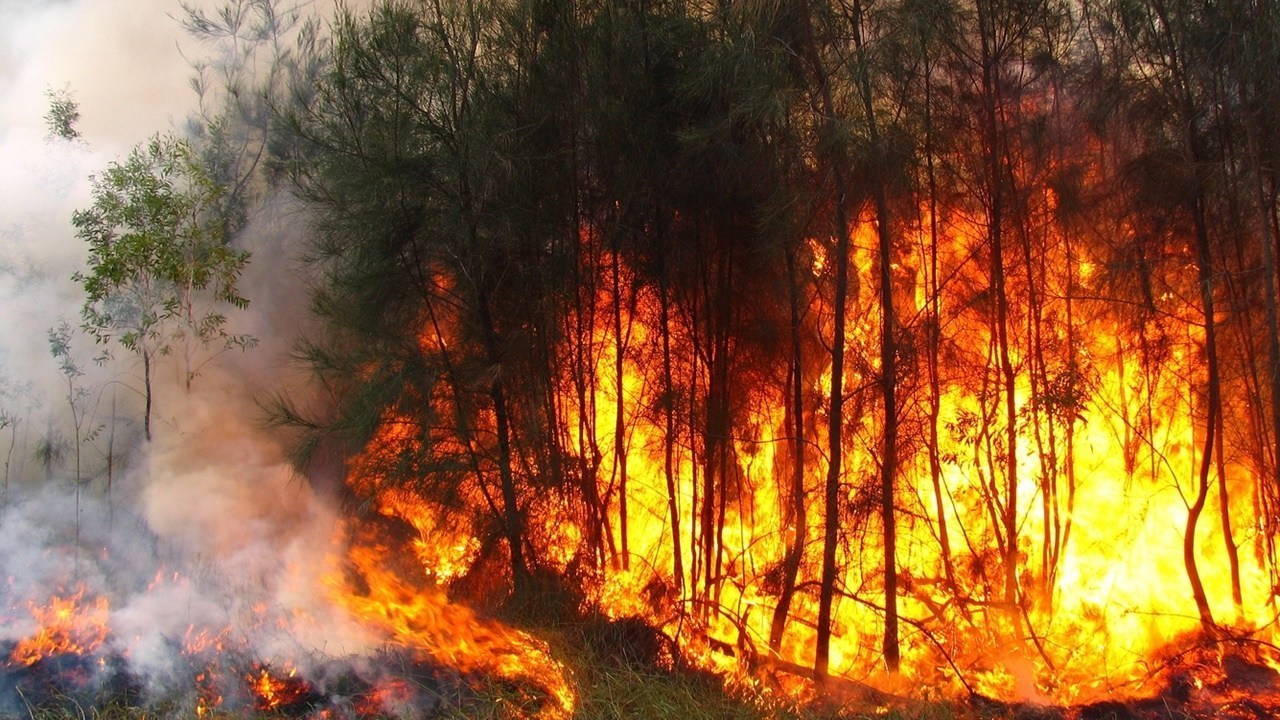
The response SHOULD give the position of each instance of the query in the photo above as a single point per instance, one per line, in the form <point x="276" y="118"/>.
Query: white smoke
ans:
<point x="208" y="526"/>
<point x="120" y="58"/>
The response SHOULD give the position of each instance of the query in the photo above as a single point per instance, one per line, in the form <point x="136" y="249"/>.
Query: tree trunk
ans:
<point x="669" y="440"/>
<point x="795" y="420"/>
<point x="718" y="428"/>
<point x="990" y="115"/>
<point x="620" y="426"/>
<point x="1213" y="385"/>
<point x="831" y="488"/>
<point x="512" y="523"/>
<point x="1228" y="535"/>
<point x="935" y="338"/>
<point x="146" y="393"/>
<point x="888" y="356"/>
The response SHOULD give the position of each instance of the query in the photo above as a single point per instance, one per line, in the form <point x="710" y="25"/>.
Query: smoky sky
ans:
<point x="123" y="62"/>
<point x="121" y="59"/>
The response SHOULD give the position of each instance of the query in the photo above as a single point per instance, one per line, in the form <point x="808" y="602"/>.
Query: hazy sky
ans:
<point x="127" y="63"/>
<point x="121" y="61"/>
<point x="119" y="58"/>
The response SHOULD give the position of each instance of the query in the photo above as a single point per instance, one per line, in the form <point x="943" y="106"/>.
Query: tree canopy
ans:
<point x="159" y="270"/>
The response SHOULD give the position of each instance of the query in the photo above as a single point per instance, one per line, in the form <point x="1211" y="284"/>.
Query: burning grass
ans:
<point x="617" y="669"/>
<point x="63" y="658"/>
<point x="607" y="685"/>
<point x="548" y="654"/>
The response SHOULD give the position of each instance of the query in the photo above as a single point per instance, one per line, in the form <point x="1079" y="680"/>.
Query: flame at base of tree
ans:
<point x="1108" y="446"/>
<point x="423" y="621"/>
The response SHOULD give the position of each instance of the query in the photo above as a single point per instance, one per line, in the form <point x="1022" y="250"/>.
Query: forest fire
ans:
<point x="1100" y="607"/>
<point x="886" y="351"/>
<point x="1038" y="557"/>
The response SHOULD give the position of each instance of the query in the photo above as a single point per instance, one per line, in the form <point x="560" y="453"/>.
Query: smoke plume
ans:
<point x="208" y="526"/>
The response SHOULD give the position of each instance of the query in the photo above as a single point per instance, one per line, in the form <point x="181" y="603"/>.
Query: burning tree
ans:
<point x="791" y="326"/>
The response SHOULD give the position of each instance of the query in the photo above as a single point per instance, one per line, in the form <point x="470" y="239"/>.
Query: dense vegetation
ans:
<point x="757" y="203"/>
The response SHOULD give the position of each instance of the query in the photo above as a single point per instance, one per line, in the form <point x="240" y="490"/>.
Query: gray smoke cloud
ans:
<point x="208" y="526"/>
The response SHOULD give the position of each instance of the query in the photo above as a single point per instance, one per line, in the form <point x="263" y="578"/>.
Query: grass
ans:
<point x="613" y="683"/>
<point x="604" y="693"/>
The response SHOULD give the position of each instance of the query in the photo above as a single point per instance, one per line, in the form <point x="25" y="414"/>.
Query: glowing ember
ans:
<point x="390" y="696"/>
<point x="275" y="691"/>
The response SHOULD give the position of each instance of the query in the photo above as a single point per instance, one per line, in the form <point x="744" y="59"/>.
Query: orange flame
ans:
<point x="66" y="625"/>
<point x="424" y="621"/>
<point x="274" y="691"/>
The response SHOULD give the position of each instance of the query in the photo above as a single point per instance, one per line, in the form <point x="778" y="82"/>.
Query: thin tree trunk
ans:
<point x="513" y="525"/>
<point x="935" y="339"/>
<point x="1268" y="242"/>
<point x="991" y="141"/>
<point x="111" y="463"/>
<point x="831" y="488"/>
<point x="599" y="531"/>
<point x="146" y="385"/>
<point x="1228" y="536"/>
<point x="717" y="434"/>
<point x="798" y="514"/>
<point x="1212" y="418"/>
<point x="620" y="427"/>
<point x="888" y="358"/>
<point x="669" y="439"/>
<point x="8" y="458"/>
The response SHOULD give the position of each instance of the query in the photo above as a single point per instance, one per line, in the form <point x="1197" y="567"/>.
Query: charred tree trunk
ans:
<point x="838" y="164"/>
<point x="717" y="436"/>
<point x="888" y="353"/>
<point x="889" y="457"/>
<point x="512" y="523"/>
<point x="935" y="336"/>
<point x="599" y="537"/>
<point x="1228" y="534"/>
<point x="1213" y="415"/>
<point x="796" y="429"/>
<point x="620" y="426"/>
<point x="146" y="394"/>
<point x="992" y="141"/>
<point x="831" y="488"/>
<point x="669" y="438"/>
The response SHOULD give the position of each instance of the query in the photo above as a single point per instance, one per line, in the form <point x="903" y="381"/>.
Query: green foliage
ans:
<point x="159" y="270"/>
<point x="60" y="349"/>
<point x="63" y="115"/>
<point x="259" y="52"/>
